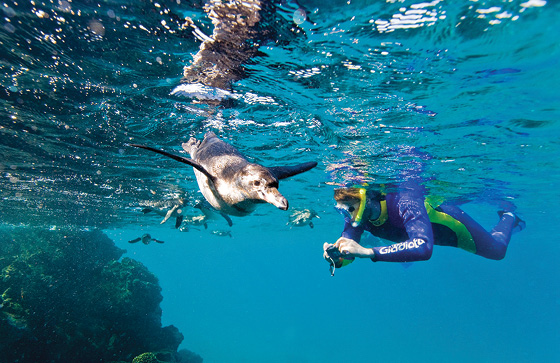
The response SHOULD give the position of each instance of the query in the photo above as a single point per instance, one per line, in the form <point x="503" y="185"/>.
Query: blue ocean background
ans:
<point x="355" y="87"/>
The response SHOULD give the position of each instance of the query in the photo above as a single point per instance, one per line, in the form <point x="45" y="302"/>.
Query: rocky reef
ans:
<point x="67" y="297"/>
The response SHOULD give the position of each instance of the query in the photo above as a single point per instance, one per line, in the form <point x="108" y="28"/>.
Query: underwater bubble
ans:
<point x="299" y="16"/>
<point x="533" y="3"/>
<point x="111" y="14"/>
<point x="8" y="11"/>
<point x="96" y="27"/>
<point x="41" y="14"/>
<point x="64" y="6"/>
<point x="9" y="28"/>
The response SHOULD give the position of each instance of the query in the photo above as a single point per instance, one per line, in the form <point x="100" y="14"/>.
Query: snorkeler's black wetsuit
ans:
<point x="406" y="218"/>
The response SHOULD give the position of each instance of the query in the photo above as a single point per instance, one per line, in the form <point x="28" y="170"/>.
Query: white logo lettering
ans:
<point x="415" y="243"/>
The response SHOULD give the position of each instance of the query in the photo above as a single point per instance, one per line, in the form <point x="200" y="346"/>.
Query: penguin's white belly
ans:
<point x="215" y="196"/>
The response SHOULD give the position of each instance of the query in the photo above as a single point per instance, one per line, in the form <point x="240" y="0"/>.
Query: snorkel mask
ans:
<point x="351" y="212"/>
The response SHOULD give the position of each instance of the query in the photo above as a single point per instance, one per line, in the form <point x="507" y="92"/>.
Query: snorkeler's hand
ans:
<point x="350" y="248"/>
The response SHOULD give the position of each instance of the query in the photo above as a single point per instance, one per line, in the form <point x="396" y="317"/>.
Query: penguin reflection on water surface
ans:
<point x="228" y="181"/>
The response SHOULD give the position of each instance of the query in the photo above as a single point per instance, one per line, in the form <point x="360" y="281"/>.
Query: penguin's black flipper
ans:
<point x="227" y="218"/>
<point x="157" y="240"/>
<point x="146" y="210"/>
<point x="311" y="224"/>
<point x="283" y="172"/>
<point x="181" y="159"/>
<point x="135" y="240"/>
<point x="178" y="221"/>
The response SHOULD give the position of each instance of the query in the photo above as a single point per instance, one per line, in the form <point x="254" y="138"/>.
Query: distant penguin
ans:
<point x="302" y="217"/>
<point x="168" y="209"/>
<point x="228" y="181"/>
<point x="146" y="239"/>
<point x="193" y="220"/>
<point x="222" y="233"/>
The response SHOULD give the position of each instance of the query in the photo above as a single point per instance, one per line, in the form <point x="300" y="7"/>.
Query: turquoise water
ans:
<point x="472" y="84"/>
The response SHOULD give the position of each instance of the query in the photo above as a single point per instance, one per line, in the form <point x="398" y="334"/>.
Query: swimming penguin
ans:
<point x="168" y="209"/>
<point x="146" y="239"/>
<point x="228" y="181"/>
<point x="302" y="217"/>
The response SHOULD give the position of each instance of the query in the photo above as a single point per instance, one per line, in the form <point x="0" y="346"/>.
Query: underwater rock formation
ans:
<point x="182" y="356"/>
<point x="66" y="297"/>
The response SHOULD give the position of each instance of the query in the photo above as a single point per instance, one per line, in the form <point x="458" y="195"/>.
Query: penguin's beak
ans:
<point x="273" y="196"/>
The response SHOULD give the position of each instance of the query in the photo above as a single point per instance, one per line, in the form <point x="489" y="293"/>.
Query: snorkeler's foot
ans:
<point x="519" y="223"/>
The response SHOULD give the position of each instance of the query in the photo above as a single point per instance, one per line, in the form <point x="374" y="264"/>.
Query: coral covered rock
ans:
<point x="146" y="358"/>
<point x="65" y="297"/>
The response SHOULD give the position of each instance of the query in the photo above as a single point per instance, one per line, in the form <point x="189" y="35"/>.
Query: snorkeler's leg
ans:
<point x="492" y="245"/>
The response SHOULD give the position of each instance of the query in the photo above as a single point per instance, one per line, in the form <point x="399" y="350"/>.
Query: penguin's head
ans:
<point x="258" y="183"/>
<point x="146" y="239"/>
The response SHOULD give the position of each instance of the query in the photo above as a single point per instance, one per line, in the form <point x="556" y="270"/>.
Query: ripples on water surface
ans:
<point x="356" y="87"/>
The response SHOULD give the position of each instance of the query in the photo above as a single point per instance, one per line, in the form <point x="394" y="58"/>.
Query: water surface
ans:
<point x="355" y="87"/>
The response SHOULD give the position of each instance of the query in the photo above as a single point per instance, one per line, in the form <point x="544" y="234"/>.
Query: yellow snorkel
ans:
<point x="361" y="209"/>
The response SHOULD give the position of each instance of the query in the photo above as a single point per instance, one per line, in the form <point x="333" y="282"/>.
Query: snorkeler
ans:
<point x="414" y="224"/>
